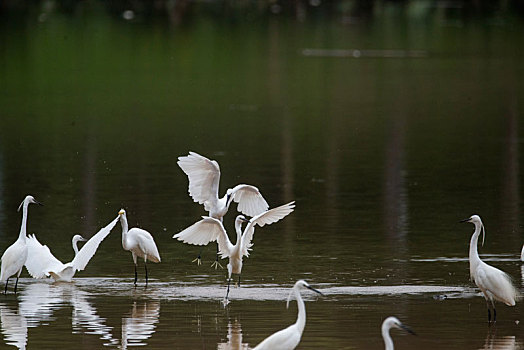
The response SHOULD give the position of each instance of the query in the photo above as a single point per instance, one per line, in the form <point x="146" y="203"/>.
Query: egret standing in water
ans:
<point x="210" y="229"/>
<point x="42" y="263"/>
<point x="15" y="255"/>
<point x="494" y="283"/>
<point x="139" y="242"/>
<point x="392" y="322"/>
<point x="204" y="179"/>
<point x="288" y="338"/>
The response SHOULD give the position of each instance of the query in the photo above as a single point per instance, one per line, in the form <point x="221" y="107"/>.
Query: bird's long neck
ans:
<point x="125" y="228"/>
<point x="474" y="258"/>
<point x="238" y="230"/>
<point x="23" y="227"/>
<point x="301" y="319"/>
<point x="387" y="338"/>
<point x="75" y="246"/>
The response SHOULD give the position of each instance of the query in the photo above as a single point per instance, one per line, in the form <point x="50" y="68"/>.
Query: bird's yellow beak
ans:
<point x="121" y="212"/>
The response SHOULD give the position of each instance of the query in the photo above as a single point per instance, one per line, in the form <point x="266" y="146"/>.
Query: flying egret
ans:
<point x="288" y="338"/>
<point x="210" y="229"/>
<point x="204" y="178"/>
<point x="42" y="263"/>
<point x="139" y="242"/>
<point x="15" y="255"/>
<point x="392" y="322"/>
<point x="494" y="283"/>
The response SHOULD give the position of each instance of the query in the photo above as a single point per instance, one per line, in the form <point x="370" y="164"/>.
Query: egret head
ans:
<point x="28" y="199"/>
<point x="300" y="284"/>
<point x="122" y="212"/>
<point x="393" y="322"/>
<point x="475" y="220"/>
<point x="242" y="218"/>
<point x="78" y="238"/>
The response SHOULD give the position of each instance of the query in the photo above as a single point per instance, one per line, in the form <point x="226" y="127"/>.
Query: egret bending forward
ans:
<point x="494" y="283"/>
<point x="288" y="338"/>
<point x="15" y="255"/>
<point x="210" y="229"/>
<point x="204" y="179"/>
<point x="42" y="263"/>
<point x="139" y="242"/>
<point x="392" y="322"/>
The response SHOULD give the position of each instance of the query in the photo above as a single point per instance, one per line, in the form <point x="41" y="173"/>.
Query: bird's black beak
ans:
<point x="465" y="220"/>
<point x="407" y="329"/>
<point x="37" y="202"/>
<point x="314" y="290"/>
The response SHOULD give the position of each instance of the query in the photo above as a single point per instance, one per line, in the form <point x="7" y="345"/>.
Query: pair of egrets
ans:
<point x="40" y="262"/>
<point x="289" y="338"/>
<point x="204" y="179"/>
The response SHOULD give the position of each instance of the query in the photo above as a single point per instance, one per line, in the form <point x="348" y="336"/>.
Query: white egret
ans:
<point x="288" y="338"/>
<point x="210" y="229"/>
<point x="42" y="263"/>
<point x="392" y="322"/>
<point x="522" y="254"/>
<point x="139" y="242"/>
<point x="204" y="179"/>
<point x="494" y="283"/>
<point x="15" y="255"/>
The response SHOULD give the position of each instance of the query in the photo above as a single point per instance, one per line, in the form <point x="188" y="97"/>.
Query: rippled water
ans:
<point x="383" y="156"/>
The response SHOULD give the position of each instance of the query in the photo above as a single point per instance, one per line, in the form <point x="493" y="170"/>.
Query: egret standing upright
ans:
<point x="494" y="283"/>
<point x="15" y="255"/>
<point x="288" y="338"/>
<point x="392" y="322"/>
<point x="204" y="179"/>
<point x="139" y="242"/>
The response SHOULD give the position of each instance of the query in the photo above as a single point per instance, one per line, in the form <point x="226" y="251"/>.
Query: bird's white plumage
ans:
<point x="392" y="322"/>
<point x="42" y="263"/>
<point x="202" y="232"/>
<point x="494" y="283"/>
<point x="266" y="218"/>
<point x="15" y="256"/>
<point x="204" y="179"/>
<point x="141" y="242"/>
<point x="289" y="338"/>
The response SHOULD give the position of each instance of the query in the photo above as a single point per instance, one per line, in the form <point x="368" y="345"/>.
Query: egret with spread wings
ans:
<point x="204" y="180"/>
<point x="210" y="229"/>
<point x="42" y="263"/>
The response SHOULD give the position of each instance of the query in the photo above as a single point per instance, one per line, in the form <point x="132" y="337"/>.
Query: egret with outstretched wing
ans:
<point x="42" y="263"/>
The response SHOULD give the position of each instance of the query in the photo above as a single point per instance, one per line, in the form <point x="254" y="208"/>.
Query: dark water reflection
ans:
<point x="382" y="155"/>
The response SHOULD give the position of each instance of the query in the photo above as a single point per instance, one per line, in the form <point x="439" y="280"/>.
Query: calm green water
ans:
<point x="383" y="157"/>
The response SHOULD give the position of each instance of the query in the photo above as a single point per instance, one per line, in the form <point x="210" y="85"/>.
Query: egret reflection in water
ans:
<point x="234" y="337"/>
<point x="37" y="305"/>
<point x="140" y="325"/>
<point x="500" y="343"/>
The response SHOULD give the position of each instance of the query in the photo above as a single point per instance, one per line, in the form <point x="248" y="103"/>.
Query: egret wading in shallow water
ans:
<point x="210" y="229"/>
<point x="288" y="338"/>
<point x="139" y="242"/>
<point x="15" y="255"/>
<point x="494" y="283"/>
<point x="42" y="263"/>
<point x="392" y="322"/>
<point x="204" y="179"/>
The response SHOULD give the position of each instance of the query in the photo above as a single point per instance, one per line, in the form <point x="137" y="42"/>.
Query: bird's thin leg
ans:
<point x="198" y="258"/>
<point x="6" y="282"/>
<point x="216" y="264"/>
<point x="494" y="311"/>
<point x="239" y="280"/>
<point x="228" y="282"/>
<point x="489" y="311"/>
<point x="16" y="283"/>
<point x="145" y="265"/>
<point x="136" y="275"/>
